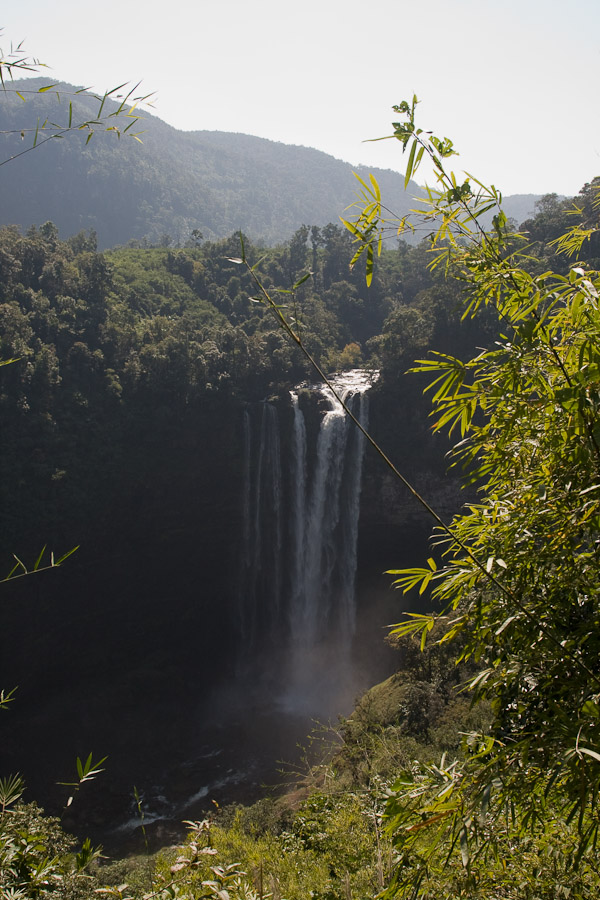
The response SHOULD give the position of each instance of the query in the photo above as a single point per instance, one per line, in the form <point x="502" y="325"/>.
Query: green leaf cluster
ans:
<point x="39" y="860"/>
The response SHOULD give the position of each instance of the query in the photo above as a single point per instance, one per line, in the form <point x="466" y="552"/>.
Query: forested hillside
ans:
<point x="137" y="340"/>
<point x="172" y="183"/>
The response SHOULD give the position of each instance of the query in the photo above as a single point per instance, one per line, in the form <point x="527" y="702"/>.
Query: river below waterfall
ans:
<point x="254" y="752"/>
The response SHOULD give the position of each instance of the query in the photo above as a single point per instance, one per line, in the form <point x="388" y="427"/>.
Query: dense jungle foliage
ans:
<point x="109" y="347"/>
<point x="115" y="350"/>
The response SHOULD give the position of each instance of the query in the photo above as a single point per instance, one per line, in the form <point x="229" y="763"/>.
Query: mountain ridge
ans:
<point x="175" y="181"/>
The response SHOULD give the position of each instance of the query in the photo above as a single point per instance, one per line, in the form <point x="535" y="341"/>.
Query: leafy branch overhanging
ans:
<point x="527" y="414"/>
<point x="122" y="119"/>
<point x="519" y="574"/>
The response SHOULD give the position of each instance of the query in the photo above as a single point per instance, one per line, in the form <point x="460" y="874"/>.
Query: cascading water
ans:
<point x="298" y="502"/>
<point x="323" y="611"/>
<point x="260" y="593"/>
<point x="298" y="581"/>
<point x="327" y="533"/>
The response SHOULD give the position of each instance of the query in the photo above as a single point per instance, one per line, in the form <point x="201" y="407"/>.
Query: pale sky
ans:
<point x="515" y="83"/>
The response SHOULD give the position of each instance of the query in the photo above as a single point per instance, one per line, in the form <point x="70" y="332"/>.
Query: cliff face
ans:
<point x="117" y="650"/>
<point x="395" y="529"/>
<point x="399" y="423"/>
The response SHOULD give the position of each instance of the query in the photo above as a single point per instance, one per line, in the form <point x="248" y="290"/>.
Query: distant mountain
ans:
<point x="175" y="181"/>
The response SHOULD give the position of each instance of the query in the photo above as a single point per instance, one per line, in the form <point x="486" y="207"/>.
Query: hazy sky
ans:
<point x="515" y="83"/>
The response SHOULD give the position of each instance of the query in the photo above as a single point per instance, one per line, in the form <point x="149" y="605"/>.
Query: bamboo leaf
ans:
<point x="36" y="565"/>
<point x="369" y="266"/>
<point x="65" y="556"/>
<point x="375" y="185"/>
<point x="589" y="752"/>
<point x="464" y="847"/>
<point x="302" y="280"/>
<point x="409" y="166"/>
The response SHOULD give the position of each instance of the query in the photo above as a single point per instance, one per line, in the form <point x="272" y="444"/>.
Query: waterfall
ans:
<point x="298" y="501"/>
<point x="323" y="608"/>
<point x="298" y="581"/>
<point x="262" y="533"/>
<point x="350" y="514"/>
